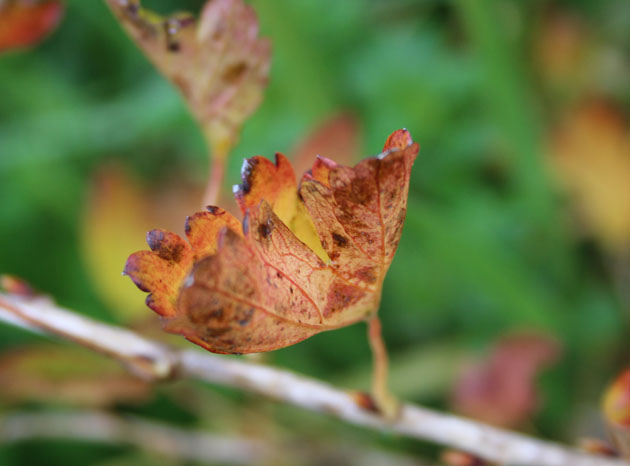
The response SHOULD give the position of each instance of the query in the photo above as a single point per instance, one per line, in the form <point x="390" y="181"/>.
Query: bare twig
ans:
<point x="152" y="359"/>
<point x="185" y="444"/>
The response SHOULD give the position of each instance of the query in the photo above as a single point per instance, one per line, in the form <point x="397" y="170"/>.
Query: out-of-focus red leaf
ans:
<point x="306" y="259"/>
<point x="219" y="63"/>
<point x="501" y="389"/>
<point x="27" y="22"/>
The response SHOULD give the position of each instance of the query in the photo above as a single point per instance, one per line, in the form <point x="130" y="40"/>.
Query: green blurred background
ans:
<point x="493" y="242"/>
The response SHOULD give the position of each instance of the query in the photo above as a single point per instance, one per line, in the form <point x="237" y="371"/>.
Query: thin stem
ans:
<point x="383" y="399"/>
<point x="220" y="151"/>
<point x="215" y="182"/>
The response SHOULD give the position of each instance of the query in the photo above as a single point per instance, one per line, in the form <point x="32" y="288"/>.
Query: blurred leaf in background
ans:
<point x="501" y="389"/>
<point x="26" y="22"/>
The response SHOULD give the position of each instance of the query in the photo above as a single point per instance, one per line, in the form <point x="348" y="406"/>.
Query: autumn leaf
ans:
<point x="616" y="408"/>
<point x="501" y="389"/>
<point x="24" y="22"/>
<point x="219" y="63"/>
<point x="306" y="258"/>
<point x="591" y="157"/>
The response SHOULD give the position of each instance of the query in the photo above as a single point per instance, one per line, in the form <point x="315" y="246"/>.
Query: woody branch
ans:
<point x="153" y="360"/>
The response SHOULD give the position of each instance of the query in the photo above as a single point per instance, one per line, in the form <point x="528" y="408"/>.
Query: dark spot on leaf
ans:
<point x="340" y="241"/>
<point x="216" y="314"/>
<point x="264" y="230"/>
<point x="366" y="274"/>
<point x="234" y="72"/>
<point x="247" y="316"/>
<point x="212" y="333"/>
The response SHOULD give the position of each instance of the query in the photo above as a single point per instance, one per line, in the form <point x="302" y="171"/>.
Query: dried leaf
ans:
<point x="306" y="259"/>
<point x="501" y="389"/>
<point x="219" y="63"/>
<point x="24" y="22"/>
<point x="591" y="155"/>
<point x="67" y="375"/>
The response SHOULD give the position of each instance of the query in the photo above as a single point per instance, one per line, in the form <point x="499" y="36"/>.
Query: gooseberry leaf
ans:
<point x="305" y="259"/>
<point x="219" y="63"/>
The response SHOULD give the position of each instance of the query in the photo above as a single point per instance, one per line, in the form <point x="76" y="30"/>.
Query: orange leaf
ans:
<point x="307" y="259"/>
<point x="219" y="63"/>
<point x="24" y="23"/>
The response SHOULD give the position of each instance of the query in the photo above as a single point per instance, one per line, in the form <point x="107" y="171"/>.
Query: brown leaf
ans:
<point x="219" y="63"/>
<point x="501" y="389"/>
<point x="24" y="23"/>
<point x="591" y="155"/>
<point x="306" y="259"/>
<point x="67" y="375"/>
